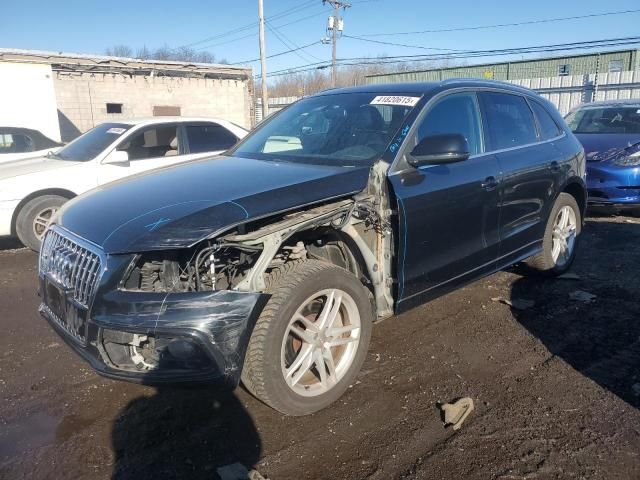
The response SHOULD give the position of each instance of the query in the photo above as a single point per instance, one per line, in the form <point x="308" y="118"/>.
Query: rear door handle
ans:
<point x="554" y="166"/>
<point x="489" y="183"/>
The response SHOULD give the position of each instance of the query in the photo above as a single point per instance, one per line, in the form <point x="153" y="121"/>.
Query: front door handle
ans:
<point x="489" y="183"/>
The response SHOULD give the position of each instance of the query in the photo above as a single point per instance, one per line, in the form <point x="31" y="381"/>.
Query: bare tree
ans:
<point x="180" y="54"/>
<point x="119" y="51"/>
<point x="143" y="53"/>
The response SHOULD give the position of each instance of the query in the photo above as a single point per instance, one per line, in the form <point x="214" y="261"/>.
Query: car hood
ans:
<point x="27" y="166"/>
<point x="602" y="146"/>
<point x="180" y="205"/>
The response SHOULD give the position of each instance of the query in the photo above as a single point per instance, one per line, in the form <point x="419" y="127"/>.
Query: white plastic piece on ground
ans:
<point x="455" y="413"/>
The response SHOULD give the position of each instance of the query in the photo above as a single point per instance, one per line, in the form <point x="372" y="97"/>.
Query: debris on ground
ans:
<point x="455" y="413"/>
<point x="517" y="303"/>
<point x="237" y="471"/>
<point x="582" y="296"/>
<point x="569" y="276"/>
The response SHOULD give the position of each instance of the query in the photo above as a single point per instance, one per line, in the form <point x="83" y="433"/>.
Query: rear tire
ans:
<point x="34" y="218"/>
<point x="561" y="236"/>
<point x="296" y="362"/>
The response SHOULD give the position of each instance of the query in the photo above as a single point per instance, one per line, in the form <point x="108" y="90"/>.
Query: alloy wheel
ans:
<point x="42" y="221"/>
<point x="564" y="235"/>
<point x="320" y="342"/>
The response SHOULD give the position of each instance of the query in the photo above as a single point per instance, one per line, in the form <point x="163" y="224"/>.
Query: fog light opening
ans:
<point x="183" y="349"/>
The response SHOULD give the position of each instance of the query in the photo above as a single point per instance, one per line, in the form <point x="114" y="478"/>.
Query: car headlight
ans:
<point x="629" y="157"/>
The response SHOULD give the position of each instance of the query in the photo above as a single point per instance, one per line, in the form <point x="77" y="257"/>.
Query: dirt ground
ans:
<point x="556" y="388"/>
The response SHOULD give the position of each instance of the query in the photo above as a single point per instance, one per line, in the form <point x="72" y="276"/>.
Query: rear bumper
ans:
<point x="217" y="325"/>
<point x="611" y="185"/>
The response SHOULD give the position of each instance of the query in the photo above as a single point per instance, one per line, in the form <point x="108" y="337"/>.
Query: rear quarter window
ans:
<point x="546" y="124"/>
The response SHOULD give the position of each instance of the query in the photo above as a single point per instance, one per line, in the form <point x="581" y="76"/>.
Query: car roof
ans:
<point x="427" y="87"/>
<point x="165" y="119"/>
<point x="19" y="130"/>
<point x="611" y="103"/>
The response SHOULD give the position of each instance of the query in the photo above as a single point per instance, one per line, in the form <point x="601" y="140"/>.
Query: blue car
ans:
<point x="610" y="134"/>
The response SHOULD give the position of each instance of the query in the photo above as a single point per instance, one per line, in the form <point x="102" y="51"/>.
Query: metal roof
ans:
<point x="510" y="62"/>
<point x="84" y="62"/>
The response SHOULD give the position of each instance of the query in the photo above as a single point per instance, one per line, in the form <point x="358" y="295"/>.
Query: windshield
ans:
<point x="88" y="145"/>
<point x="610" y="119"/>
<point x="341" y="129"/>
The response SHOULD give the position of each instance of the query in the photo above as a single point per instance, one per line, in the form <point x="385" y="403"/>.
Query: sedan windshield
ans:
<point x="88" y="145"/>
<point x="611" y="119"/>
<point x="341" y="129"/>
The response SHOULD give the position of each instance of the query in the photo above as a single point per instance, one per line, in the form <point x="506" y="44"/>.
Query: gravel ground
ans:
<point x="556" y="387"/>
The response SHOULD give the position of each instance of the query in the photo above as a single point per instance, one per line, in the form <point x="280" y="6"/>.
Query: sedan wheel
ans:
<point x="42" y="221"/>
<point x="34" y="218"/>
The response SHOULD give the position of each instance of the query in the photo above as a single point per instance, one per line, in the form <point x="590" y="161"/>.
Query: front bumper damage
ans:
<point x="613" y="186"/>
<point x="211" y="328"/>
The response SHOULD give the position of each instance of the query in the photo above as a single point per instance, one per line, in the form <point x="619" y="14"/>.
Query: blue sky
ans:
<point x="90" y="26"/>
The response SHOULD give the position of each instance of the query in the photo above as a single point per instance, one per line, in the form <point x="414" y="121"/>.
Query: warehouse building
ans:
<point x="565" y="66"/>
<point x="81" y="91"/>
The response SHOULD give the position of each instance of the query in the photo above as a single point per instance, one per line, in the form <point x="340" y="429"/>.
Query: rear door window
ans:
<point x="209" y="137"/>
<point x="15" y="143"/>
<point x="508" y="119"/>
<point x="547" y="126"/>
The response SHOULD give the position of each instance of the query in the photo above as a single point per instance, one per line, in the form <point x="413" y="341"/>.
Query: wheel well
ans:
<point x="40" y="193"/>
<point x="337" y="248"/>
<point x="576" y="190"/>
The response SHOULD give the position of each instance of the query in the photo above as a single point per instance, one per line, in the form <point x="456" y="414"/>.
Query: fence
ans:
<point x="564" y="92"/>
<point x="570" y="91"/>
<point x="275" y="104"/>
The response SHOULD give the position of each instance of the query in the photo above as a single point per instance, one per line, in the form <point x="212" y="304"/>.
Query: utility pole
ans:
<point x="335" y="25"/>
<point x="263" y="63"/>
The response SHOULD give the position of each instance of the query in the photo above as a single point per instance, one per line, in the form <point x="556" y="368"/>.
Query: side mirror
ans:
<point x="117" y="157"/>
<point x="438" y="149"/>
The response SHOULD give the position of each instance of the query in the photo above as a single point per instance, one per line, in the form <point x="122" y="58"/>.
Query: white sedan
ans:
<point x="32" y="190"/>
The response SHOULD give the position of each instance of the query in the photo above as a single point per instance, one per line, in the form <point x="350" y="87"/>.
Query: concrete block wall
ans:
<point x="82" y="98"/>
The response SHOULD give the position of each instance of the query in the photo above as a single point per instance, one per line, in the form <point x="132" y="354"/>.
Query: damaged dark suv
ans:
<point x="269" y="264"/>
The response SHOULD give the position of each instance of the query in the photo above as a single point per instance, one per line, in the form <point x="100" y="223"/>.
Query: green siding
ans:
<point x="546" y="67"/>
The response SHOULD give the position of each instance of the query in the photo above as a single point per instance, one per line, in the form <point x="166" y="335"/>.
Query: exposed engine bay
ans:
<point x="352" y="233"/>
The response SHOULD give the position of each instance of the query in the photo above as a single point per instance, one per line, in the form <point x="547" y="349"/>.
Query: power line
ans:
<point x="516" y="50"/>
<point x="280" y="53"/>
<point x="502" y="25"/>
<point x="399" y="44"/>
<point x="284" y="13"/>
<point x="294" y="48"/>
<point x="253" y="34"/>
<point x="465" y="54"/>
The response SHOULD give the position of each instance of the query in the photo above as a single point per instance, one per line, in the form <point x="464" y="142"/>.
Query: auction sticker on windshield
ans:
<point x="117" y="131"/>
<point x="395" y="100"/>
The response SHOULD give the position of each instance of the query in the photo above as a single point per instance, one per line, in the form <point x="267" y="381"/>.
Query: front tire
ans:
<point x="561" y="235"/>
<point x="34" y="218"/>
<point x="310" y="340"/>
